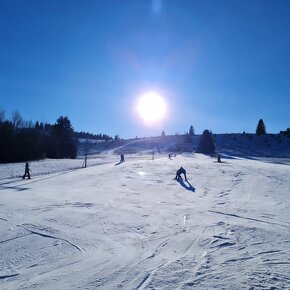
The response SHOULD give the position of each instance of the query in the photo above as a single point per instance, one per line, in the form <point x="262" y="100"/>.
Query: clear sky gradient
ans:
<point x="220" y="64"/>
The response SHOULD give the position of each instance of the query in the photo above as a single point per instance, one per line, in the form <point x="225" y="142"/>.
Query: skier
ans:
<point x="180" y="171"/>
<point x="122" y="158"/>
<point x="27" y="171"/>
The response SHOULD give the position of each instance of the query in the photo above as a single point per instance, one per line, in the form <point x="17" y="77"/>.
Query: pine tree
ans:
<point x="191" y="131"/>
<point x="37" y="126"/>
<point x="63" y="141"/>
<point x="286" y="132"/>
<point x="261" y="128"/>
<point x="163" y="133"/>
<point x="206" y="143"/>
<point x="17" y="120"/>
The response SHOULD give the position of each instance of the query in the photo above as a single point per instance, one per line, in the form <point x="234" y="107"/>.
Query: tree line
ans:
<point x="87" y="135"/>
<point x="22" y="141"/>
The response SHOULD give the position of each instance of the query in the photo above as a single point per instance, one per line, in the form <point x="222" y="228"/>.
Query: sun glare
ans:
<point x="151" y="107"/>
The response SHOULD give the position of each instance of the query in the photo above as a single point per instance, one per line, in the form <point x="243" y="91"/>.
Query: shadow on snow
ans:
<point x="186" y="185"/>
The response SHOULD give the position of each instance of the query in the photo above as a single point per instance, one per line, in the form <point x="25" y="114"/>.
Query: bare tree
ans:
<point x="2" y="115"/>
<point x="17" y="121"/>
<point x="27" y="124"/>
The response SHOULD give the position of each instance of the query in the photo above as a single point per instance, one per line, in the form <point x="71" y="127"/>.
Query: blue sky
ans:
<point x="220" y="64"/>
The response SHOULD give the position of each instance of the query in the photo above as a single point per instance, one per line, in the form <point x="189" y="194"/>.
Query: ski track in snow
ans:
<point x="131" y="226"/>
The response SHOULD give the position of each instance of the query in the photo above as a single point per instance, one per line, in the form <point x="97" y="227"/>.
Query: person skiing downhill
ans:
<point x="27" y="171"/>
<point x="180" y="171"/>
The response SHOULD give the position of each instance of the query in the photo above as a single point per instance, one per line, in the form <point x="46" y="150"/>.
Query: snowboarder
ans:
<point x="27" y="171"/>
<point x="180" y="171"/>
<point x="122" y="158"/>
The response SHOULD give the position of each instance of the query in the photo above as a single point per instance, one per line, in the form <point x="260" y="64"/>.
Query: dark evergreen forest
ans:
<point x="23" y="141"/>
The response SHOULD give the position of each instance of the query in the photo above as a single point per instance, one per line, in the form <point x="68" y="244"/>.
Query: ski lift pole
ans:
<point x="216" y="149"/>
<point x="84" y="165"/>
<point x="86" y="157"/>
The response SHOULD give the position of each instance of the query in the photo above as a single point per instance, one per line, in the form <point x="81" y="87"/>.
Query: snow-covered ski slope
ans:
<point x="242" y="145"/>
<point x="131" y="226"/>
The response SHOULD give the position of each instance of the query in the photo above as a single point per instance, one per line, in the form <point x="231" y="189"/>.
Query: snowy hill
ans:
<point x="131" y="226"/>
<point x="251" y="145"/>
<point x="242" y="145"/>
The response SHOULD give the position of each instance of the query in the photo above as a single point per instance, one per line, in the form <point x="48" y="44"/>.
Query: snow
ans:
<point x="131" y="226"/>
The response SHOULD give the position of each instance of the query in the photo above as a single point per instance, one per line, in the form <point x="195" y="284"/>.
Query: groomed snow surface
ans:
<point x="131" y="226"/>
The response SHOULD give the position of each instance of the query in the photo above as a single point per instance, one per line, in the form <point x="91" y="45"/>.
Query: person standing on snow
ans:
<point x="27" y="171"/>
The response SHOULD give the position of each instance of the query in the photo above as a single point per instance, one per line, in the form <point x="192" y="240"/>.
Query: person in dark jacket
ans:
<point x="180" y="171"/>
<point x="27" y="171"/>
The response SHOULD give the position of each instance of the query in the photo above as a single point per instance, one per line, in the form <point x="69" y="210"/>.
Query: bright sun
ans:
<point x="151" y="107"/>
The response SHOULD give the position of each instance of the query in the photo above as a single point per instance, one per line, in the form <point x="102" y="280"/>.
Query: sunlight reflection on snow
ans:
<point x="141" y="173"/>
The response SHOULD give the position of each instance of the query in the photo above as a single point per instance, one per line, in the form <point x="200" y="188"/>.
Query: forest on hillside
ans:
<point x="22" y="140"/>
